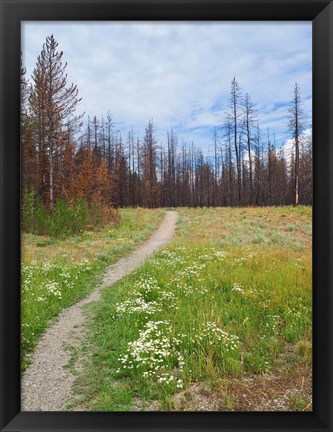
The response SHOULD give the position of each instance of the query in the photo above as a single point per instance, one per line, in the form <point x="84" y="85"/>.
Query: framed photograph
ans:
<point x="166" y="196"/>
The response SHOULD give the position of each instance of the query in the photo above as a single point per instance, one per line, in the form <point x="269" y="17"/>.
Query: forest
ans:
<point x="68" y="158"/>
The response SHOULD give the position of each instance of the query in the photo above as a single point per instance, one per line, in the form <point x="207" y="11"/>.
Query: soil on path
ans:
<point x="46" y="384"/>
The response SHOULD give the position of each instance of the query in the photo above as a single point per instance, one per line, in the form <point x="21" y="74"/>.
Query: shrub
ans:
<point x="67" y="218"/>
<point x="35" y="218"/>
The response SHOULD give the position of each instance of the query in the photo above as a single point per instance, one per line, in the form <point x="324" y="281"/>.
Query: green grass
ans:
<point x="56" y="273"/>
<point x="228" y="299"/>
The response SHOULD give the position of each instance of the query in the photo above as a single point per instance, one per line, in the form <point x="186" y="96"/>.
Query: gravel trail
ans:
<point x="46" y="384"/>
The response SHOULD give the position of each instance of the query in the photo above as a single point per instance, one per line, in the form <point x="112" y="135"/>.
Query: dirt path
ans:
<point x="46" y="385"/>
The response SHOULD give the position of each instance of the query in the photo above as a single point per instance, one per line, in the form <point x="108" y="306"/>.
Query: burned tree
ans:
<point x="296" y="129"/>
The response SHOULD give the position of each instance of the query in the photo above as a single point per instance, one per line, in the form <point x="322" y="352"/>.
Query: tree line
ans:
<point x="67" y="158"/>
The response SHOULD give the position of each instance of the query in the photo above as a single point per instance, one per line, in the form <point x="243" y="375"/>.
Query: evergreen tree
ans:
<point x="53" y="104"/>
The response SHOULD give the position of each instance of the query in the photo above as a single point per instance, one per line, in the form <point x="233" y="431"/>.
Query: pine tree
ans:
<point x="53" y="104"/>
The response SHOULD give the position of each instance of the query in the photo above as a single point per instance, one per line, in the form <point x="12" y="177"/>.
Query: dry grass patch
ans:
<point x="136" y="225"/>
<point x="285" y="227"/>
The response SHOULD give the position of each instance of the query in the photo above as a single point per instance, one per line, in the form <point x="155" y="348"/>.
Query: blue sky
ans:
<point x="179" y="73"/>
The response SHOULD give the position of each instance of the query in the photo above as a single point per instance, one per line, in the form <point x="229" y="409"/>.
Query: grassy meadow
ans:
<point x="58" y="272"/>
<point x="219" y="320"/>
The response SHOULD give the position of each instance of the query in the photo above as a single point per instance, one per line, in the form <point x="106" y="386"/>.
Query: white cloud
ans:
<point x="180" y="73"/>
<point x="289" y="146"/>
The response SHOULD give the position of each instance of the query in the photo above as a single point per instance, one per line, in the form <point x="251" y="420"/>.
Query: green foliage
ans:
<point x="46" y="290"/>
<point x="35" y="218"/>
<point x="67" y="218"/>
<point x="197" y="313"/>
<point x="57" y="272"/>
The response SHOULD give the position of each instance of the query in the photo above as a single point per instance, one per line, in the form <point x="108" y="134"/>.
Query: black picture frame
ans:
<point x="12" y="12"/>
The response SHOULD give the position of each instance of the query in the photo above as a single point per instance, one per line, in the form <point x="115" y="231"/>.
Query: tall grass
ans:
<point x="200" y="311"/>
<point x="57" y="272"/>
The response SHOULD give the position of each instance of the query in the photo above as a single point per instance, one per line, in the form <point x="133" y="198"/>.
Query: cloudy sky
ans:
<point x="179" y="73"/>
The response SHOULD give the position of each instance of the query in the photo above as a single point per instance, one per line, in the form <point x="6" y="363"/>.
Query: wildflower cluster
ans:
<point x="47" y="279"/>
<point x="295" y="320"/>
<point x="174" y="259"/>
<point x="293" y="312"/>
<point x="168" y="258"/>
<point x="46" y="265"/>
<point x="188" y="279"/>
<point x="205" y="257"/>
<point x="154" y="353"/>
<point x="220" y="255"/>
<point x="211" y="334"/>
<point x="137" y="305"/>
<point x="84" y="265"/>
<point x="241" y="289"/>
<point x="191" y="271"/>
<point x="147" y="287"/>
<point x="273" y="323"/>
<point x="213" y="255"/>
<point x="46" y="288"/>
<point x="239" y="260"/>
<point x="187" y="289"/>
<point x="27" y="273"/>
<point x="53" y="288"/>
<point x="238" y="288"/>
<point x="147" y="298"/>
